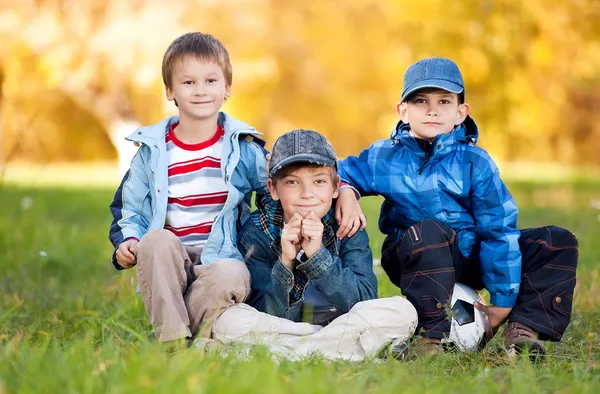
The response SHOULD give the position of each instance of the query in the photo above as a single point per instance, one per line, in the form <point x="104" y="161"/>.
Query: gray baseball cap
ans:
<point x="301" y="146"/>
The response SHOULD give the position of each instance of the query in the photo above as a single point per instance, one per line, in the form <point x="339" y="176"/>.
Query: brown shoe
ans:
<point x="425" y="347"/>
<point x="518" y="338"/>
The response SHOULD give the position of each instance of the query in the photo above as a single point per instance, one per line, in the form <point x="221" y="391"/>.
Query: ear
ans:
<point x="169" y="92"/>
<point x="461" y="115"/>
<point x="272" y="189"/>
<point x="402" y="109"/>
<point x="227" y="92"/>
<point x="336" y="186"/>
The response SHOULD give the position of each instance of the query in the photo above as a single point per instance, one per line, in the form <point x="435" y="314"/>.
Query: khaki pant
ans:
<point x="183" y="299"/>
<point x="361" y="333"/>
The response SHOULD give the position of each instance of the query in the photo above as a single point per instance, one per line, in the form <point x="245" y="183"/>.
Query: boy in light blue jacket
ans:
<point x="178" y="209"/>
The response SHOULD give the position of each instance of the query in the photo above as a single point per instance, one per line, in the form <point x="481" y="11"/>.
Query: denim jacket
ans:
<point x="140" y="203"/>
<point x="341" y="270"/>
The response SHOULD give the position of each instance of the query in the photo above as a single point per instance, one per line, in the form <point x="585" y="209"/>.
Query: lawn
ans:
<point x="70" y="323"/>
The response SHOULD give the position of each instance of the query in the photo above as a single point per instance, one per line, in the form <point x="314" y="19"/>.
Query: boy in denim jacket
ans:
<point x="301" y="272"/>
<point x="449" y="218"/>
<point x="177" y="211"/>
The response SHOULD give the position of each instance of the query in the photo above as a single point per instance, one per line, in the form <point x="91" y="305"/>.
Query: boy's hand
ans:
<point x="496" y="316"/>
<point x="290" y="241"/>
<point x="348" y="214"/>
<point x="125" y="256"/>
<point x="312" y="234"/>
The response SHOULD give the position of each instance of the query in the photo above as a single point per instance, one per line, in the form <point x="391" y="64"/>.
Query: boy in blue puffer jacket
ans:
<point x="449" y="218"/>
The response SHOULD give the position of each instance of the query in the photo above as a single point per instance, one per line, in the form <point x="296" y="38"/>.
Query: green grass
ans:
<point x="69" y="322"/>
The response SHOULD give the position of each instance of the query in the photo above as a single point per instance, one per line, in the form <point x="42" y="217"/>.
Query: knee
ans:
<point x="158" y="239"/>
<point x="428" y="232"/>
<point x="154" y="242"/>
<point x="562" y="237"/>
<point x="230" y="276"/>
<point x="394" y="314"/>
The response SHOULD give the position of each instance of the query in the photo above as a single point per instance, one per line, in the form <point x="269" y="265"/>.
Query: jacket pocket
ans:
<point x="562" y="304"/>
<point x="432" y="307"/>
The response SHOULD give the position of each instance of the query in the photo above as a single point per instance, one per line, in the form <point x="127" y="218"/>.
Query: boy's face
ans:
<point x="199" y="88"/>
<point x="305" y="189"/>
<point x="431" y="112"/>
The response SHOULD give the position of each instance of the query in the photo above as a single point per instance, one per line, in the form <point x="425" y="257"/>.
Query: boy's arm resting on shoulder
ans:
<point x="272" y="283"/>
<point x="345" y="279"/>
<point x="252" y="165"/>
<point x="128" y="206"/>
<point x="357" y="171"/>
<point x="496" y="214"/>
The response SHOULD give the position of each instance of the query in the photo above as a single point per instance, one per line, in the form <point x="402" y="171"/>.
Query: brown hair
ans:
<point x="204" y="47"/>
<point x="288" y="170"/>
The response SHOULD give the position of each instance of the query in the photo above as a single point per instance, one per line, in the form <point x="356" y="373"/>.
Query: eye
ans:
<point x="444" y="101"/>
<point x="211" y="80"/>
<point x="188" y="82"/>
<point x="291" y="182"/>
<point x="419" y="101"/>
<point x="320" y="181"/>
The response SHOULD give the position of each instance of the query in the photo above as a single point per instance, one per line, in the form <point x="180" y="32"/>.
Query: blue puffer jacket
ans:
<point x="459" y="185"/>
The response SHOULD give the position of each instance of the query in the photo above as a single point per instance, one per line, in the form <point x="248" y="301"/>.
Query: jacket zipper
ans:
<point x="427" y="157"/>
<point x="415" y="233"/>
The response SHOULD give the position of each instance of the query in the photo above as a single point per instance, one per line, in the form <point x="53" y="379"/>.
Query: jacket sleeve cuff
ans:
<point x="284" y="277"/>
<point x="293" y="284"/>
<point x="344" y="185"/>
<point x="317" y="265"/>
<point x="503" y="300"/>
<point x="129" y="233"/>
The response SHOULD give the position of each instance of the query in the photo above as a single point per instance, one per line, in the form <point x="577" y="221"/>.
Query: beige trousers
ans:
<point x="361" y="333"/>
<point x="182" y="299"/>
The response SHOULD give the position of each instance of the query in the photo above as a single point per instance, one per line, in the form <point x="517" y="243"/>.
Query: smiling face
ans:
<point x="198" y="87"/>
<point x="431" y="112"/>
<point x="305" y="188"/>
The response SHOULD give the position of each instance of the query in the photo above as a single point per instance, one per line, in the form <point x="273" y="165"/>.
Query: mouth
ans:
<point x="307" y="206"/>
<point x="201" y="102"/>
<point x="432" y="123"/>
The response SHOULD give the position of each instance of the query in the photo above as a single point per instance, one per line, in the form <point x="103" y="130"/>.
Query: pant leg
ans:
<point x="164" y="271"/>
<point x="243" y="324"/>
<point x="544" y="303"/>
<point x="363" y="332"/>
<point x="422" y="263"/>
<point x="217" y="286"/>
<point x="367" y="328"/>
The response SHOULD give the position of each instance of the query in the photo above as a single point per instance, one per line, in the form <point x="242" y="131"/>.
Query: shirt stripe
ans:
<point x="197" y="191"/>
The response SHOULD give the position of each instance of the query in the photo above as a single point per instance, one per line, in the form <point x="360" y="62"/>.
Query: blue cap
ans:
<point x="433" y="72"/>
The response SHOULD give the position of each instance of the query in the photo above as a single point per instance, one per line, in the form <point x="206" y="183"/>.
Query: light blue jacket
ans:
<point x="140" y="203"/>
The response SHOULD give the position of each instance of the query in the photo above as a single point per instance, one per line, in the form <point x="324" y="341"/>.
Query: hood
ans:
<point x="466" y="132"/>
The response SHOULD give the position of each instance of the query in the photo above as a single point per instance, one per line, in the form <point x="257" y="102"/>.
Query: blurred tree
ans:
<point x="531" y="68"/>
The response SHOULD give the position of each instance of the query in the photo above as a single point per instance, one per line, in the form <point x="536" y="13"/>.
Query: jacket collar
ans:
<point x="465" y="132"/>
<point x="156" y="132"/>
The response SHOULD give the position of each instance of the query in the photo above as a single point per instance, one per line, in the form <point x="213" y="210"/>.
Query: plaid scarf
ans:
<point x="269" y="218"/>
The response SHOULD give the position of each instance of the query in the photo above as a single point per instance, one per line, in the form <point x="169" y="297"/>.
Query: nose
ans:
<point x="200" y="89"/>
<point x="432" y="110"/>
<point x="307" y="191"/>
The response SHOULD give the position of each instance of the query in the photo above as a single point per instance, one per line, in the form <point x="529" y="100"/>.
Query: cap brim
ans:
<point x="433" y="83"/>
<point x="304" y="158"/>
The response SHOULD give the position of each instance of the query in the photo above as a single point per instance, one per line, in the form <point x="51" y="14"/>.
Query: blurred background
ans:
<point x="76" y="76"/>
